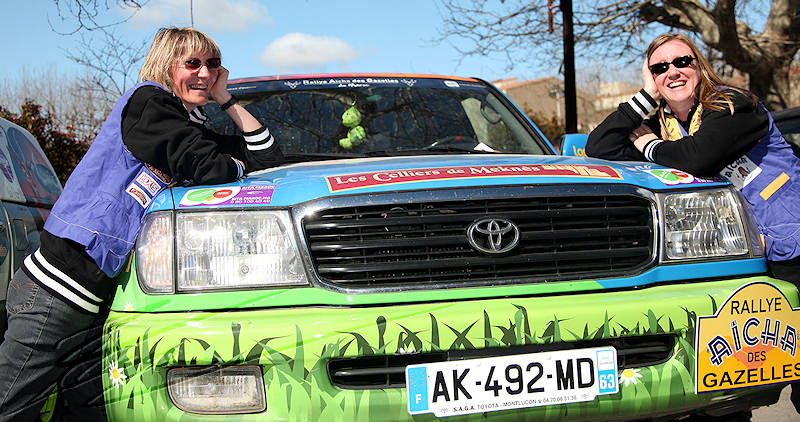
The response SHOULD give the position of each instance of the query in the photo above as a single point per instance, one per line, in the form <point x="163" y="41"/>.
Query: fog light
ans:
<point x="217" y="390"/>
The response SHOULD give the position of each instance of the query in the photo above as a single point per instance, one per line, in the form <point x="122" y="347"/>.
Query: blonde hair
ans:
<point x="170" y="46"/>
<point x="709" y="94"/>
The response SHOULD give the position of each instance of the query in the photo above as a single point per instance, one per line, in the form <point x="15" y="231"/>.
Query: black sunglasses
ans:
<point x="679" y="62"/>
<point x="195" y="63"/>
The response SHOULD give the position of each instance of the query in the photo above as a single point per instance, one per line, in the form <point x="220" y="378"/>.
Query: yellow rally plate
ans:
<point x="750" y="341"/>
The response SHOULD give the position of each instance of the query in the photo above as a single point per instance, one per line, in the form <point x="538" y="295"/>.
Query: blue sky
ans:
<point x="263" y="37"/>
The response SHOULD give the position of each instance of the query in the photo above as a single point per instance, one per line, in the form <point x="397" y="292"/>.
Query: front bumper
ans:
<point x="295" y="345"/>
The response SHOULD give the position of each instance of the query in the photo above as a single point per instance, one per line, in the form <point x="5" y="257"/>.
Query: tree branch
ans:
<point x="87" y="14"/>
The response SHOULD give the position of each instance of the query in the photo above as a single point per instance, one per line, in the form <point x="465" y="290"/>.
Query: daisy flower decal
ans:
<point x="116" y="374"/>
<point x="128" y="307"/>
<point x="629" y="376"/>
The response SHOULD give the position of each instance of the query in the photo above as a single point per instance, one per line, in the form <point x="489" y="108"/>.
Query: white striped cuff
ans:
<point x="64" y="285"/>
<point x="239" y="168"/>
<point x="642" y="103"/>
<point x="650" y="148"/>
<point x="259" y="139"/>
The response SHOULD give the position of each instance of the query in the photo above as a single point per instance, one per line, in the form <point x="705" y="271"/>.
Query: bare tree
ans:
<point x="79" y="104"/>
<point x="71" y="110"/>
<point x="524" y="30"/>
<point x="112" y="64"/>
<point x="90" y="15"/>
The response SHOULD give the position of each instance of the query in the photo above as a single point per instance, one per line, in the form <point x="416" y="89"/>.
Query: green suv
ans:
<point x="424" y="253"/>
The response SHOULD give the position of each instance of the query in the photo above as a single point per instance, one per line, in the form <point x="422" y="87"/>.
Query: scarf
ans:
<point x="671" y="129"/>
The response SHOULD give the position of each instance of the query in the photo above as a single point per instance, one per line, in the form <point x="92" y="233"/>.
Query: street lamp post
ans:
<point x="570" y="93"/>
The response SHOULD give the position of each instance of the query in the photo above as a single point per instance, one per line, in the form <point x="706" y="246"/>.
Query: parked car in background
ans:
<point x="425" y="253"/>
<point x="788" y="121"/>
<point x="28" y="189"/>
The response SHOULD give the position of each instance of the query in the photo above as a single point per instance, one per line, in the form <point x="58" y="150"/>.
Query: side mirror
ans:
<point x="489" y="113"/>
<point x="574" y="144"/>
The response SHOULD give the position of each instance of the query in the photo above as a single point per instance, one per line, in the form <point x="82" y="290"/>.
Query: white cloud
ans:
<point x="298" y="51"/>
<point x="211" y="15"/>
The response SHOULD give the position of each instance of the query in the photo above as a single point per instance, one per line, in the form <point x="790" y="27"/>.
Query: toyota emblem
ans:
<point x="493" y="235"/>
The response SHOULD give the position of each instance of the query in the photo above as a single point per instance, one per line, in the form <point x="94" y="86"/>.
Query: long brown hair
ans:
<point x="709" y="94"/>
<point x="169" y="46"/>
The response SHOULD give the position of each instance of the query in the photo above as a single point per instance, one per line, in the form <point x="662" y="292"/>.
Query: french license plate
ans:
<point x="511" y="382"/>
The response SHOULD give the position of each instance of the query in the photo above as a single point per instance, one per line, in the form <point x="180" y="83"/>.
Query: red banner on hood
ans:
<point x="388" y="177"/>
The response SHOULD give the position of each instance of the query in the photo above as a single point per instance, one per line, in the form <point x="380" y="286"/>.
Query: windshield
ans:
<point x="358" y="117"/>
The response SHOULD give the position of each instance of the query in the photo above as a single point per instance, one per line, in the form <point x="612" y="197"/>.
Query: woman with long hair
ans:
<point x="685" y="117"/>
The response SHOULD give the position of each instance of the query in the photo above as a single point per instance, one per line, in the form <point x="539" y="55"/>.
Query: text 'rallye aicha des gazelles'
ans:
<point x="424" y="253"/>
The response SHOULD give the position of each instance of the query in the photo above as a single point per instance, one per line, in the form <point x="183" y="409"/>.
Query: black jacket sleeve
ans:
<point x="610" y="139"/>
<point x="263" y="152"/>
<point x="722" y="138"/>
<point x="156" y="129"/>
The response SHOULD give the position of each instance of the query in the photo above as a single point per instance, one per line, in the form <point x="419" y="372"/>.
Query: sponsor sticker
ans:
<point x="357" y="82"/>
<point x="741" y="172"/>
<point x="750" y="341"/>
<point x="232" y="195"/>
<point x="148" y="183"/>
<point x="139" y="195"/>
<point x="672" y="177"/>
<point x="578" y="152"/>
<point x="388" y="177"/>
<point x="676" y="177"/>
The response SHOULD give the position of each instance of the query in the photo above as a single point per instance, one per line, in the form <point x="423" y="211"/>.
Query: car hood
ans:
<point x="296" y="183"/>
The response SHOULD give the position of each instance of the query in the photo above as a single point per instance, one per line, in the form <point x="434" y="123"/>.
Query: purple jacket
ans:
<point x="106" y="196"/>
<point x="769" y="177"/>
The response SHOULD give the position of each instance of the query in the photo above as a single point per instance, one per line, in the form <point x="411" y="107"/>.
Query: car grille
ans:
<point x="406" y="244"/>
<point x="389" y="371"/>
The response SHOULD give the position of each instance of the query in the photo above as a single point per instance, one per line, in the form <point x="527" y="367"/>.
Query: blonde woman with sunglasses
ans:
<point x="154" y="137"/>
<point x="686" y="118"/>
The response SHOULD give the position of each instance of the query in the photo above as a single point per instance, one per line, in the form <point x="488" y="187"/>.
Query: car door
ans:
<point x="28" y="189"/>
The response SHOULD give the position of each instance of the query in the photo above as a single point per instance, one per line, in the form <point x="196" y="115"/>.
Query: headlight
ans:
<point x="703" y="225"/>
<point x="219" y="250"/>
<point x="154" y="254"/>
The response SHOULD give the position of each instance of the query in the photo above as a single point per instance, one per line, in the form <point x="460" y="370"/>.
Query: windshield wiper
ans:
<point x="451" y="148"/>
<point x="427" y="150"/>
<point x="323" y="156"/>
<point x="319" y="156"/>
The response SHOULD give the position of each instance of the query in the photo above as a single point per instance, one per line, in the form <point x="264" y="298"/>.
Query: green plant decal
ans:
<point x="294" y="357"/>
